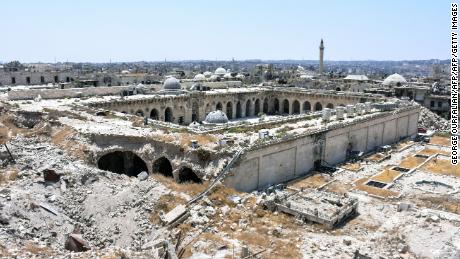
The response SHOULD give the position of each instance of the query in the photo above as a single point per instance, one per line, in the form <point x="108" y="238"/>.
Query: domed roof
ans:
<point x="207" y="74"/>
<point x="220" y="71"/>
<point x="171" y="83"/>
<point x="394" y="79"/>
<point x="213" y="78"/>
<point x="216" y="117"/>
<point x="228" y="75"/>
<point x="199" y="77"/>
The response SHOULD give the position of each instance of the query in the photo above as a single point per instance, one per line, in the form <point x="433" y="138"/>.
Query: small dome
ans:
<point x="228" y="75"/>
<point x="213" y="78"/>
<point x="216" y="117"/>
<point x="220" y="71"/>
<point x="207" y="74"/>
<point x="394" y="79"/>
<point x="171" y="83"/>
<point x="199" y="77"/>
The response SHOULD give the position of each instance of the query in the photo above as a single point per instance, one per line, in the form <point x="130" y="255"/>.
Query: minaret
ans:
<point x="321" y="57"/>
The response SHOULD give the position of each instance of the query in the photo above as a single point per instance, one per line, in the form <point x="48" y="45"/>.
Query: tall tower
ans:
<point x="321" y="57"/>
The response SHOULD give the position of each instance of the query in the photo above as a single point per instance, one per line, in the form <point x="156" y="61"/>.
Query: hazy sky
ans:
<point x="135" y="30"/>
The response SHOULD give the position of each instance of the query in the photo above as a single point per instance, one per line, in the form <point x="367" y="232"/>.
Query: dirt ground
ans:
<point x="411" y="162"/>
<point x="313" y="181"/>
<point x="441" y="166"/>
<point x="386" y="176"/>
<point x="443" y="141"/>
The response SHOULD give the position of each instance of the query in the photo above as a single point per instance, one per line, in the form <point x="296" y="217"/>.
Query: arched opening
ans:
<point x="219" y="106"/>
<point x="238" y="110"/>
<point x="296" y="107"/>
<point x="257" y="107"/>
<point x="154" y="114"/>
<point x="187" y="175"/>
<point x="318" y="106"/>
<point x="338" y="89"/>
<point x="122" y="162"/>
<point x="276" y="106"/>
<point x="162" y="166"/>
<point x="265" y="108"/>
<point x="140" y="113"/>
<point x="330" y="106"/>
<point x="169" y="115"/>
<point x="195" y="111"/>
<point x="341" y="105"/>
<point x="306" y="106"/>
<point x="229" y="111"/>
<point x="286" y="106"/>
<point x="248" y="108"/>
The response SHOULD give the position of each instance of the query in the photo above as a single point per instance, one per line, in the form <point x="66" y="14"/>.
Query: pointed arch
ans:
<point x="219" y="106"/>
<point x="296" y="107"/>
<point x="248" y="108"/>
<point x="154" y="114"/>
<point x="306" y="107"/>
<point x="257" y="107"/>
<point x="169" y="115"/>
<point x="286" y="106"/>
<point x="318" y="106"/>
<point x="229" y="110"/>
<point x="265" y="106"/>
<point x="238" y="110"/>
<point x="162" y="166"/>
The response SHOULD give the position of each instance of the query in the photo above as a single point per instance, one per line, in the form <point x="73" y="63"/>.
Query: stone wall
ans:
<point x="28" y="94"/>
<point x="35" y="78"/>
<point x="280" y="162"/>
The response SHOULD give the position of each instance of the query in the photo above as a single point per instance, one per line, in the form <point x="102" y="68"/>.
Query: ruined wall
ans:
<point x="28" y="94"/>
<point x="151" y="150"/>
<point x="287" y="160"/>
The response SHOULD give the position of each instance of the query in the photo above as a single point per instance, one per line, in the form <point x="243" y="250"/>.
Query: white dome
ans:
<point x="207" y="74"/>
<point x="216" y="117"/>
<point x="199" y="77"/>
<point x="240" y="76"/>
<point x="213" y="78"/>
<point x="228" y="75"/>
<point x="171" y="83"/>
<point x="394" y="79"/>
<point x="220" y="71"/>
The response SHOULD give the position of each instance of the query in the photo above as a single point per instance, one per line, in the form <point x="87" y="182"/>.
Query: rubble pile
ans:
<point x="432" y="121"/>
<point x="64" y="204"/>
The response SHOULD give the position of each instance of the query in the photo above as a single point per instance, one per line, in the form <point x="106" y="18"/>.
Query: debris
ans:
<point x="48" y="208"/>
<point x="174" y="214"/>
<point x="142" y="176"/>
<point x="76" y="243"/>
<point x="50" y="175"/>
<point x="347" y="240"/>
<point x="4" y="219"/>
<point x="431" y="120"/>
<point x="404" y="207"/>
<point x="235" y="199"/>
